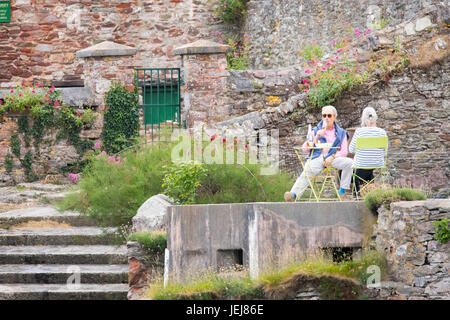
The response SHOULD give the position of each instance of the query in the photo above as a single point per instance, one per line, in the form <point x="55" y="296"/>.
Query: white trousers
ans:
<point x="314" y="167"/>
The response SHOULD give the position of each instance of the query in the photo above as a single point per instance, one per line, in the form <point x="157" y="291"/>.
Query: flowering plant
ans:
<point x="328" y="77"/>
<point x="36" y="99"/>
<point x="237" y="58"/>
<point x="231" y="11"/>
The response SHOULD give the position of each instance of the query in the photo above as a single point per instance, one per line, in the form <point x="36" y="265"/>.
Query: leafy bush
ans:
<point x="442" y="231"/>
<point x="234" y="183"/>
<point x="121" y="121"/>
<point x="378" y="197"/>
<point x="112" y="192"/>
<point x="154" y="241"/>
<point x="9" y="162"/>
<point x="181" y="180"/>
<point x="231" y="11"/>
<point x="238" y="56"/>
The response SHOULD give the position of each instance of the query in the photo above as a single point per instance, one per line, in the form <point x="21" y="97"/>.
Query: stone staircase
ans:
<point x="36" y="264"/>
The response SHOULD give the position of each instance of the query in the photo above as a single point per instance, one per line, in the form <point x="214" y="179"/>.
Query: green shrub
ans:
<point x="154" y="241"/>
<point x="378" y="197"/>
<point x="442" y="231"/>
<point x="9" y="163"/>
<point x="231" y="11"/>
<point x="181" y="180"/>
<point x="234" y="183"/>
<point x="15" y="145"/>
<point x="112" y="192"/>
<point x="121" y="121"/>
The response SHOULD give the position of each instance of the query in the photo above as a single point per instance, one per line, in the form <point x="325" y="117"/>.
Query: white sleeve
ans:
<point x="352" y="146"/>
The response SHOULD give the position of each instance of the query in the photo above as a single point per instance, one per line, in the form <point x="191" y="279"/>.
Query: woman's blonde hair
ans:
<point x="369" y="116"/>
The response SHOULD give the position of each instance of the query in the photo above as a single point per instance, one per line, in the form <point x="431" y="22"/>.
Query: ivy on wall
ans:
<point x="44" y="107"/>
<point x="121" y="119"/>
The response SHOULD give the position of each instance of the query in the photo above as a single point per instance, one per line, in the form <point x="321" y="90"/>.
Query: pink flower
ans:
<point x="305" y="80"/>
<point x="12" y="91"/>
<point x="349" y="70"/>
<point x="37" y="85"/>
<point x="50" y="101"/>
<point x="306" y="91"/>
<point x="368" y="30"/>
<point x="332" y="60"/>
<point x="310" y="62"/>
<point x="332" y="78"/>
<point x="53" y="87"/>
<point x="12" y="100"/>
<point x="307" y="71"/>
<point x="50" y="91"/>
<point x="33" y="91"/>
<point x="97" y="145"/>
<point x="339" y="50"/>
<point x="344" y="68"/>
<point x="224" y="140"/>
<point x="323" y="69"/>
<point x="220" y="41"/>
<point x="213" y="137"/>
<point x="247" y="145"/>
<point x="107" y="107"/>
<point x="315" y="80"/>
<point x="20" y="95"/>
<point x="56" y="103"/>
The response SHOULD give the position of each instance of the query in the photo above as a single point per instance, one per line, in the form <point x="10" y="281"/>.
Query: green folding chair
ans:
<point x="363" y="143"/>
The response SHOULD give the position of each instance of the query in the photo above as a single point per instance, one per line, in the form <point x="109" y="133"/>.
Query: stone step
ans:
<point x="63" y="292"/>
<point x="60" y="273"/>
<point x="44" y="213"/>
<point x="92" y="254"/>
<point x="57" y="236"/>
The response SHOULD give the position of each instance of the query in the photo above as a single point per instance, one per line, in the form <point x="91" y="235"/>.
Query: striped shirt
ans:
<point x="368" y="158"/>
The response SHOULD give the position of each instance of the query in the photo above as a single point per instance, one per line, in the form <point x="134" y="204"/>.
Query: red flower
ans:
<point x="50" y="91"/>
<point x="223" y="140"/>
<point x="12" y="91"/>
<point x="56" y="103"/>
<point x="213" y="137"/>
<point x="305" y="81"/>
<point x="107" y="107"/>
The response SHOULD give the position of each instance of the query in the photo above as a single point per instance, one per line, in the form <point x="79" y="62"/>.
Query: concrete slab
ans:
<point x="259" y="235"/>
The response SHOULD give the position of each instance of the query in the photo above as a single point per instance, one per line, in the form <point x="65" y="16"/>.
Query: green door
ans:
<point x="161" y="95"/>
<point x="161" y="103"/>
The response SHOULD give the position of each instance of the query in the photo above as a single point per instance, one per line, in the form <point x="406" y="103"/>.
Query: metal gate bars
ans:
<point x="161" y="98"/>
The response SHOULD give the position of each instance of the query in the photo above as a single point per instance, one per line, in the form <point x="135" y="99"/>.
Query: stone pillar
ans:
<point x="105" y="62"/>
<point x="204" y="66"/>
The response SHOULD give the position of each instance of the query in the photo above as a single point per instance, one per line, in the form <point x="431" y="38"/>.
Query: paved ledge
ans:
<point x="201" y="47"/>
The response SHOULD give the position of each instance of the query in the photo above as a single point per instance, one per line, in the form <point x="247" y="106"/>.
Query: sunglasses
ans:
<point x="327" y="115"/>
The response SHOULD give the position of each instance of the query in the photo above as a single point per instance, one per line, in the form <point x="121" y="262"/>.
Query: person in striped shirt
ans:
<point x="367" y="158"/>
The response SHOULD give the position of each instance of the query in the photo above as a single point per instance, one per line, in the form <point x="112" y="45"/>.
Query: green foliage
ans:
<point x="88" y="117"/>
<point x="112" y="193"/>
<point x="43" y="119"/>
<point x="235" y="183"/>
<point x="71" y="126"/>
<point x="15" y="145"/>
<point x="181" y="181"/>
<point x="442" y="231"/>
<point x="211" y="285"/>
<point x="207" y="286"/>
<point x="155" y="241"/>
<point x="27" y="163"/>
<point x="24" y="128"/>
<point x="378" y="197"/>
<point x="311" y="52"/>
<point x="383" y="23"/>
<point x="121" y="121"/>
<point x="231" y="11"/>
<point x="238" y="56"/>
<point x="9" y="162"/>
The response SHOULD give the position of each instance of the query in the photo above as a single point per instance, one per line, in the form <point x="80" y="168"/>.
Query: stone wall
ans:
<point x="277" y="29"/>
<point x="418" y="264"/>
<point x="40" y="42"/>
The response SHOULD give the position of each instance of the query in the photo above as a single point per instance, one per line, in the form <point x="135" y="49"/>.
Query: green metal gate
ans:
<point x="161" y="97"/>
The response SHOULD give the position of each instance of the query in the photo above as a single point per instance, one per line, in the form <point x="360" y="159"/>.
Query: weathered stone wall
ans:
<point x="53" y="156"/>
<point x="413" y="108"/>
<point x="277" y="29"/>
<point x="418" y="264"/>
<point x="145" y="266"/>
<point x="42" y="38"/>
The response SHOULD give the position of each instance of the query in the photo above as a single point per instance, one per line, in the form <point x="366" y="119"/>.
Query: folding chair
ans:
<point x="327" y="177"/>
<point x="364" y="143"/>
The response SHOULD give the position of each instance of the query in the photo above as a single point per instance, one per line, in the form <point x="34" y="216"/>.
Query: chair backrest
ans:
<point x="372" y="143"/>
